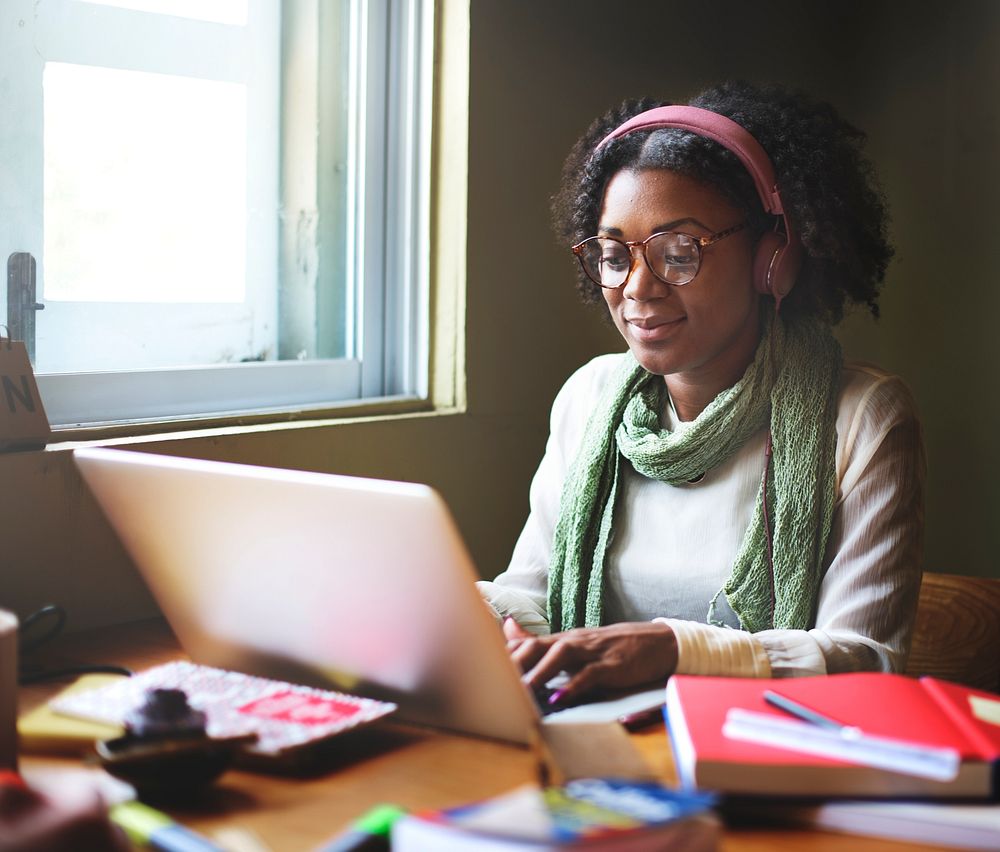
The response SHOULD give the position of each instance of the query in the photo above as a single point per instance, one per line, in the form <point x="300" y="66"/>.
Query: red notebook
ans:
<point x="928" y="711"/>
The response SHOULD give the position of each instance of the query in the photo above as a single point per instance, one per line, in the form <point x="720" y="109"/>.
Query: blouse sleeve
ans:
<point x="867" y="600"/>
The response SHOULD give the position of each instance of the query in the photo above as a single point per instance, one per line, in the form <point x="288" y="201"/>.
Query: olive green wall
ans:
<point x="933" y="113"/>
<point x="921" y="78"/>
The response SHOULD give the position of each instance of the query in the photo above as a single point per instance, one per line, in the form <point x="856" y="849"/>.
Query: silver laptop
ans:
<point x="339" y="582"/>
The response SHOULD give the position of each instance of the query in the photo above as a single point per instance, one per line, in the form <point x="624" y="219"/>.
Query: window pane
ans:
<point x="145" y="187"/>
<point x="157" y="198"/>
<point x="220" y="11"/>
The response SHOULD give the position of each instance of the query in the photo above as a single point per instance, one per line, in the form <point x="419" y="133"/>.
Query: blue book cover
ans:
<point x="583" y="811"/>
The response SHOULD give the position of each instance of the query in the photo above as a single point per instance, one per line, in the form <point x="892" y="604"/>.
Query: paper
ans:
<point x="985" y="709"/>
<point x="608" y="710"/>
<point x="588" y="749"/>
<point x="42" y="731"/>
<point x="849" y="744"/>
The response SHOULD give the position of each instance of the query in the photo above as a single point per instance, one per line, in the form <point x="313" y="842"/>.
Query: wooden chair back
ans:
<point x="957" y="633"/>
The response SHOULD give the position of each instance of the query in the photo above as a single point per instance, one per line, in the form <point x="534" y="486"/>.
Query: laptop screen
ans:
<point x="354" y="584"/>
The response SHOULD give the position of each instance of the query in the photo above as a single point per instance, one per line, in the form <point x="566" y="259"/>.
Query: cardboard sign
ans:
<point x="23" y="424"/>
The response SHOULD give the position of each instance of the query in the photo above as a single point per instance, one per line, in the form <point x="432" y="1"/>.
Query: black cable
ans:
<point x="29" y="672"/>
<point x="26" y="676"/>
<point x="25" y="642"/>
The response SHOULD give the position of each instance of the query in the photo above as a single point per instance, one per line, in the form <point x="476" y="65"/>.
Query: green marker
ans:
<point x="370" y="833"/>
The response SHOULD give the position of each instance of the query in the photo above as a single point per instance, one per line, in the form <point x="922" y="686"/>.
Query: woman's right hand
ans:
<point x="615" y="656"/>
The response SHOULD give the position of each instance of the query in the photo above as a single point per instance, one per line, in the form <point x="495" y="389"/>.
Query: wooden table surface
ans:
<point x="413" y="768"/>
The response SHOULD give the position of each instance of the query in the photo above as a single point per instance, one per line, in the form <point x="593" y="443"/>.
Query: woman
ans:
<point x="728" y="497"/>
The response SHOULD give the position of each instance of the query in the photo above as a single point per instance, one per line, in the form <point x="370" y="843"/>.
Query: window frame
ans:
<point x="394" y="298"/>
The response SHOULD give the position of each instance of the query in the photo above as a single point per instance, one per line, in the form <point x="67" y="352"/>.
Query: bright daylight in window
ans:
<point x="225" y="202"/>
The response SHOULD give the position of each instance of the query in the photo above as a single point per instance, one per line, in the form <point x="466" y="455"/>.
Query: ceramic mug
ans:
<point x="8" y="690"/>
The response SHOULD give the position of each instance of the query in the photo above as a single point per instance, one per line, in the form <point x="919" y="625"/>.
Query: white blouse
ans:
<point x="674" y="547"/>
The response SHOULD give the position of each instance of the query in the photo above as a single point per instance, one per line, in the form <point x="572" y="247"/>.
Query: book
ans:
<point x="42" y="731"/>
<point x="595" y="814"/>
<point x="928" y="712"/>
<point x="286" y="717"/>
<point x="943" y="824"/>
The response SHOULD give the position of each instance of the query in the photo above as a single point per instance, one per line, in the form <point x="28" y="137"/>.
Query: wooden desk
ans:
<point x="409" y="767"/>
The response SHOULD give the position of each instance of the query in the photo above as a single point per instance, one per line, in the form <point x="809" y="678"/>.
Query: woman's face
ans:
<point x="703" y="333"/>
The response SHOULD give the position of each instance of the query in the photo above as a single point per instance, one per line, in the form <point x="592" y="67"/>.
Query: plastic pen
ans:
<point x="641" y="718"/>
<point x="800" y="711"/>
<point x="146" y="826"/>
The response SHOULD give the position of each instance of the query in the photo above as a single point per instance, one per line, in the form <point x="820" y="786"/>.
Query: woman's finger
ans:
<point x="513" y="630"/>
<point x="564" y="654"/>
<point x="586" y="679"/>
<point x="527" y="654"/>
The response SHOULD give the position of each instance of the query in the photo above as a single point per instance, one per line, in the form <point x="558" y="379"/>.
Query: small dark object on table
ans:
<point x="166" y="751"/>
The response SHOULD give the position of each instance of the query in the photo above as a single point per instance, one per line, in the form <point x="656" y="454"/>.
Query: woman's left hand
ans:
<point x="617" y="656"/>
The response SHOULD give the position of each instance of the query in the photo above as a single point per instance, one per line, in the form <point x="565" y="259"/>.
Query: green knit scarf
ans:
<point x="793" y="382"/>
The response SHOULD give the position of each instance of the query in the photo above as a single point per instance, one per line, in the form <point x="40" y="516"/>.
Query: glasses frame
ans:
<point x="700" y="242"/>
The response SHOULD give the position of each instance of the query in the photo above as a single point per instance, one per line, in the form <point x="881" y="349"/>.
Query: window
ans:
<point x="227" y="201"/>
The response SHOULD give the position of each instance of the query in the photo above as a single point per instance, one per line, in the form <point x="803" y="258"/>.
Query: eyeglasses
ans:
<point x="673" y="258"/>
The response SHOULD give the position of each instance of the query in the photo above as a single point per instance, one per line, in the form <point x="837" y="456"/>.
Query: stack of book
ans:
<point x="944" y="824"/>
<point x="875" y="754"/>
<point x="727" y="737"/>
<point x="593" y="814"/>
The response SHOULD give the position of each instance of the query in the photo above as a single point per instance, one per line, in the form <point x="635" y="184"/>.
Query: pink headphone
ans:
<point x="778" y="256"/>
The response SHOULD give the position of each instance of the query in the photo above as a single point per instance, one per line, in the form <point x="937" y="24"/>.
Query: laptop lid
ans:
<point x="340" y="582"/>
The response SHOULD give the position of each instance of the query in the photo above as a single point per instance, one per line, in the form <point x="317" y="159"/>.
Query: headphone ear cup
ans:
<point x="767" y="253"/>
<point x="776" y="264"/>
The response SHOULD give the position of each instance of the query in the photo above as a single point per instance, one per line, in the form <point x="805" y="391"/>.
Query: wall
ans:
<point x="921" y="78"/>
<point x="922" y="83"/>
<point x="933" y="115"/>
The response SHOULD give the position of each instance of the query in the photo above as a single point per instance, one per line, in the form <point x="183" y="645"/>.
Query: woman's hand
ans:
<point x="617" y="656"/>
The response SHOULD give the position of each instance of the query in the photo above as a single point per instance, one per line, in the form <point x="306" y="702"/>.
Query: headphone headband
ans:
<point x="725" y="131"/>
<point x="779" y="257"/>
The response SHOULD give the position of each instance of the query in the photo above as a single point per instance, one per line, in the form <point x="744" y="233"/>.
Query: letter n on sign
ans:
<point x="23" y="424"/>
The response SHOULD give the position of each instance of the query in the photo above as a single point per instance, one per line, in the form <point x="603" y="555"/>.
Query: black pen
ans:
<point x="800" y="711"/>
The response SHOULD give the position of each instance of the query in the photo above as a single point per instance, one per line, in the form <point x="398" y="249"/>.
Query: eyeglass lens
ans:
<point x="673" y="258"/>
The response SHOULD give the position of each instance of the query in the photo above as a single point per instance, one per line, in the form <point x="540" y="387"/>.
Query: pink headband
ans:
<point x="725" y="131"/>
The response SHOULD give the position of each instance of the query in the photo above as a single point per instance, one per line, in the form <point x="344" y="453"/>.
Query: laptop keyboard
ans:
<point x="543" y="693"/>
